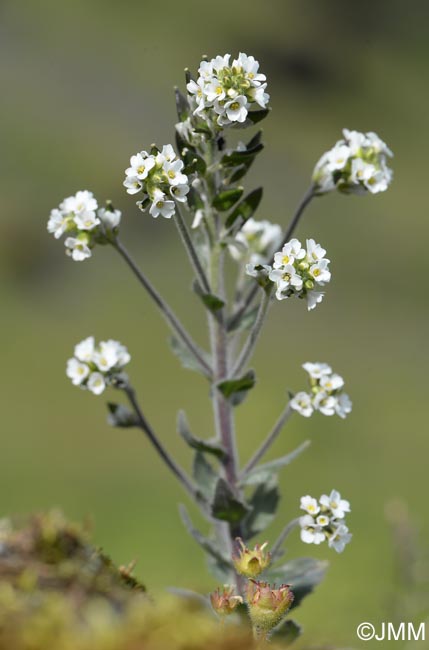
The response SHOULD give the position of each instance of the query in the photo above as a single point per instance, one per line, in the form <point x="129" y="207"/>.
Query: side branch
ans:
<point x="253" y="337"/>
<point x="168" y="460"/>
<point x="168" y="314"/>
<point x="190" y="249"/>
<point x="284" y="417"/>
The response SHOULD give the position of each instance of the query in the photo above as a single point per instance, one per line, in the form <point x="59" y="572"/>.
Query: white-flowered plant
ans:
<point x="296" y="271"/>
<point x="84" y="223"/>
<point x="356" y="164"/>
<point x="226" y="90"/>
<point x="159" y="177"/>
<point x="94" y="367"/>
<point x="204" y="176"/>
<point x="326" y="393"/>
<point x="325" y="521"/>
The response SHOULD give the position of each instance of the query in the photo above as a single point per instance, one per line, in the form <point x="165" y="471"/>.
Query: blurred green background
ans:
<point x="87" y="83"/>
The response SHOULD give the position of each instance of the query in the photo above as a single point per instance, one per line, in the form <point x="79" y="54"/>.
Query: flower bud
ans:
<point x="226" y="601"/>
<point x="267" y="605"/>
<point x="250" y="563"/>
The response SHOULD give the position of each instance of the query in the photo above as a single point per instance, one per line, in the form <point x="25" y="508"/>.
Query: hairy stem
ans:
<point x="249" y="298"/>
<point x="190" y="249"/>
<point x="276" y="548"/>
<point x="163" y="453"/>
<point x="253" y="337"/>
<point x="272" y="436"/>
<point x="166" y="311"/>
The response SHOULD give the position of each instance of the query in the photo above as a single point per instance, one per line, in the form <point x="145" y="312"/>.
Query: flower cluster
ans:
<point x="325" y="520"/>
<point x="297" y="271"/>
<point x="225" y="602"/>
<point x="225" y="92"/>
<point x="267" y="605"/>
<point x="356" y="164"/>
<point x="256" y="241"/>
<point x="84" y="223"/>
<point x="250" y="563"/>
<point x="94" y="367"/>
<point x="326" y="393"/>
<point x="159" y="175"/>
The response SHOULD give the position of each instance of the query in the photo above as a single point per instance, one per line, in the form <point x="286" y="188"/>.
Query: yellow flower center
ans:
<point x="140" y="170"/>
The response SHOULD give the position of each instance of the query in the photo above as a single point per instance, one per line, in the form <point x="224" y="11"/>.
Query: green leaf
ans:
<point x="240" y="157"/>
<point x="302" y="574"/>
<point x="246" y="208"/>
<point x="263" y="472"/>
<point x="185" y="356"/>
<point x="204" y="475"/>
<point x="225" y="200"/>
<point x="207" y="544"/>
<point x="257" y="116"/>
<point x="255" y="141"/>
<point x="182" y="105"/>
<point x="236" y="389"/>
<point x="226" y="506"/>
<point x="263" y="502"/>
<point x="287" y="632"/>
<point x="121" y="416"/>
<point x="207" y="446"/>
<point x="211" y="302"/>
<point x="246" y="321"/>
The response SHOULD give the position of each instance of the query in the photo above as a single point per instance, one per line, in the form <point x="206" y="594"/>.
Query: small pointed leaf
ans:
<point x="204" y="475"/>
<point x="236" y="389"/>
<point x="246" y="208"/>
<point x="226" y="506"/>
<point x="185" y="357"/>
<point x="263" y="502"/>
<point x="121" y="416"/>
<point x="302" y="574"/>
<point x="225" y="200"/>
<point x="287" y="632"/>
<point x="261" y="473"/>
<point x="207" y="544"/>
<point x="207" y="446"/>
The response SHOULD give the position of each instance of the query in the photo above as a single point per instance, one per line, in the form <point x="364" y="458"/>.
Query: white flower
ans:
<point x="315" y="253"/>
<point x="313" y="299"/>
<point x="84" y="351"/>
<point x="77" y="249"/>
<point x="111" y="354"/>
<point x="58" y="223"/>
<point x="140" y="165"/>
<point x="322" y="520"/>
<point x="325" y="520"/>
<point x="86" y="221"/>
<point x="132" y="184"/>
<point x="77" y="371"/>
<point x="179" y="192"/>
<point x="290" y="252"/>
<point x="173" y="172"/>
<point x="260" y="271"/>
<point x="343" y="406"/>
<point x="96" y="383"/>
<point x="236" y="109"/>
<point x="160" y="206"/>
<point x="224" y="93"/>
<point x="320" y="272"/>
<point x="331" y="382"/>
<point x="340" y="538"/>
<point x="110" y="218"/>
<point x="83" y="202"/>
<point x="325" y="403"/>
<point x="310" y="505"/>
<point x="338" y="506"/>
<point x="286" y="278"/>
<point x="257" y="241"/>
<point x="357" y="164"/>
<point x="317" y="370"/>
<point x="302" y="403"/>
<point x="311" y="533"/>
